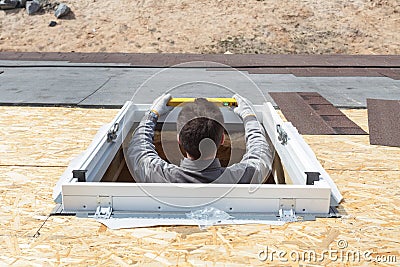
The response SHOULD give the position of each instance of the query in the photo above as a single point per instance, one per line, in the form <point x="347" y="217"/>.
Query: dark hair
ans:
<point x="196" y="121"/>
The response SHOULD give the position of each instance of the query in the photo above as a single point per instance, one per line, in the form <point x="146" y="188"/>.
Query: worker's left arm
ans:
<point x="259" y="154"/>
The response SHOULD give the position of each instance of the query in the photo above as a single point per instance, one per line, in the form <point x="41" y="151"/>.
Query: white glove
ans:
<point x="244" y="108"/>
<point x="159" y="106"/>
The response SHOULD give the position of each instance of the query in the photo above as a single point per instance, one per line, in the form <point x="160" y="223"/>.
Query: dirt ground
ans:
<point x="205" y="26"/>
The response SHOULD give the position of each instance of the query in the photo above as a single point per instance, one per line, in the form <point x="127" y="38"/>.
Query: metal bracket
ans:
<point x="287" y="215"/>
<point x="104" y="201"/>
<point x="104" y="208"/>
<point x="287" y="203"/>
<point x="287" y="210"/>
<point x="103" y="213"/>
<point x="282" y="135"/>
<point x="80" y="175"/>
<point x="112" y="133"/>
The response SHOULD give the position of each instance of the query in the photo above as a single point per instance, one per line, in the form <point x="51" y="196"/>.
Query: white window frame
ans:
<point x="86" y="197"/>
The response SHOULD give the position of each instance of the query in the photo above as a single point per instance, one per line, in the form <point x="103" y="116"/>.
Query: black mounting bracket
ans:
<point x="312" y="177"/>
<point x="80" y="175"/>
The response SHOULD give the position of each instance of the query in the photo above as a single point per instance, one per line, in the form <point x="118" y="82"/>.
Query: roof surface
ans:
<point x="108" y="80"/>
<point x="39" y="142"/>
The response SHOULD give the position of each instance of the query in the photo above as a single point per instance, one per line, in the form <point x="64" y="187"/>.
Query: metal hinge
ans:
<point x="287" y="215"/>
<point x="103" y="212"/>
<point x="104" y="208"/>
<point x="282" y="135"/>
<point x="112" y="133"/>
<point x="287" y="208"/>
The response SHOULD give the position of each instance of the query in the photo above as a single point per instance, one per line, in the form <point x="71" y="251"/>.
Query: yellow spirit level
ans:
<point x="220" y="101"/>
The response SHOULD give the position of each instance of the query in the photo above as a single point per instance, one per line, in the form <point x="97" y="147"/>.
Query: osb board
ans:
<point x="369" y="223"/>
<point x="47" y="136"/>
<point x="354" y="152"/>
<point x="25" y="197"/>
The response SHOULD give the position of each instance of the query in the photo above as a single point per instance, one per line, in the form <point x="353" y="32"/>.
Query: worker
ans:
<point x="200" y="127"/>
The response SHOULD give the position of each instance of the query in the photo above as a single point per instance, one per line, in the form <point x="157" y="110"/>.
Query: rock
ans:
<point x="52" y="23"/>
<point x="62" y="10"/>
<point x="32" y="7"/>
<point x="8" y="4"/>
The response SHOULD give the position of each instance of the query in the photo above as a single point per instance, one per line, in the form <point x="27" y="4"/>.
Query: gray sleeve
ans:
<point x="259" y="154"/>
<point x="143" y="159"/>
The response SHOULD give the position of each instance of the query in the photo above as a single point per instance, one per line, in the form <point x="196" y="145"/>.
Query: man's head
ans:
<point x="197" y="121"/>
